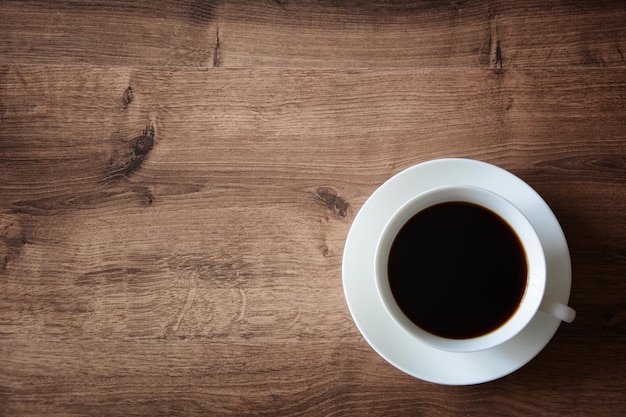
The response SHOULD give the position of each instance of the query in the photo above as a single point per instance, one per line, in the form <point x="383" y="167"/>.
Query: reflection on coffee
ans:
<point x="457" y="270"/>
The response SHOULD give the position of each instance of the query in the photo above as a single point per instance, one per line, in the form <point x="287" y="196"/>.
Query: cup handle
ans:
<point x="558" y="310"/>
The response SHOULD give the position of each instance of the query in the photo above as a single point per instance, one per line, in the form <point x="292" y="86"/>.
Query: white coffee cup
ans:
<point x="532" y="300"/>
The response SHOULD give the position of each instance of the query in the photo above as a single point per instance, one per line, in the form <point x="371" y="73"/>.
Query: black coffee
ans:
<point x="457" y="270"/>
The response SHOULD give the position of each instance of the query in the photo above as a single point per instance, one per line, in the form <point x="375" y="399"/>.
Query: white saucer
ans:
<point x="397" y="346"/>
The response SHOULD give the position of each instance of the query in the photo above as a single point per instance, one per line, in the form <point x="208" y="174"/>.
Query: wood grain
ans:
<point x="209" y="377"/>
<point x="315" y="34"/>
<point x="177" y="182"/>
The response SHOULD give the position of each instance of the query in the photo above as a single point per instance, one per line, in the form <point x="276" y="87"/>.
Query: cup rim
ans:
<point x="508" y="212"/>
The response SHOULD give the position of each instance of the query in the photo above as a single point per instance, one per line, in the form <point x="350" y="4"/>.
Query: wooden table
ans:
<point x="177" y="181"/>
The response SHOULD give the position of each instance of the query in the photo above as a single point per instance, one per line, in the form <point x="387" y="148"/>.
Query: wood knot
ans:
<point x="148" y="198"/>
<point x="216" y="50"/>
<point x="327" y="197"/>
<point x="143" y="143"/>
<point x="128" y="97"/>
<point x="12" y="239"/>
<point x="124" y="163"/>
<point x="498" y="58"/>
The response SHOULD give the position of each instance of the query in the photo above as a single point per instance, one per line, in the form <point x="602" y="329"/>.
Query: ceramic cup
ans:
<point x="532" y="299"/>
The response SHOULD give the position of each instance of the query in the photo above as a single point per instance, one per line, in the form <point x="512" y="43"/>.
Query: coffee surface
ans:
<point x="457" y="270"/>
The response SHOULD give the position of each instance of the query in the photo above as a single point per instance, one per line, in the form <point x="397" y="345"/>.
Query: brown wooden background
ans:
<point x="177" y="181"/>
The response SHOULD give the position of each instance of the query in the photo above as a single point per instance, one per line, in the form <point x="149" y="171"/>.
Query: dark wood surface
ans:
<point x="177" y="181"/>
